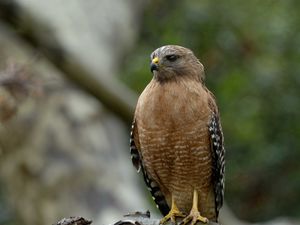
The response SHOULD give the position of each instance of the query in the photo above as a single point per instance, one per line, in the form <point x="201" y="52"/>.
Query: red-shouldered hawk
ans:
<point x="177" y="139"/>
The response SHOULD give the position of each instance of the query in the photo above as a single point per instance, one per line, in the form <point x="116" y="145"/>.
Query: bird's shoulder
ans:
<point x="185" y="100"/>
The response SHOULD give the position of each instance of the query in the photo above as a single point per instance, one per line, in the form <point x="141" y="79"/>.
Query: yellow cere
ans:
<point x="155" y="60"/>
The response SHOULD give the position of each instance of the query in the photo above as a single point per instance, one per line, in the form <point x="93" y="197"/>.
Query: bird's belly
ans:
<point x="179" y="160"/>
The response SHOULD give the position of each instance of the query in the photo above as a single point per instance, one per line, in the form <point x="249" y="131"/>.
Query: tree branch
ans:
<point x="76" y="220"/>
<point x="115" y="96"/>
<point x="136" y="218"/>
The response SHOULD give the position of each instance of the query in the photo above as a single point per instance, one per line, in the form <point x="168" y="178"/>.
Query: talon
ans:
<point x="174" y="212"/>
<point x="172" y="215"/>
<point x="194" y="216"/>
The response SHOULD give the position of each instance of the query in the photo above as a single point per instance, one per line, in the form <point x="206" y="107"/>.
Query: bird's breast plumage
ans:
<point x="174" y="141"/>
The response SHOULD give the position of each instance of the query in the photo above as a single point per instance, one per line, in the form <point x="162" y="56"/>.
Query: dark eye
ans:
<point x="172" y="57"/>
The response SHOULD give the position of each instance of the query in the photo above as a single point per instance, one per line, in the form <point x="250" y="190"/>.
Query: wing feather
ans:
<point x="218" y="150"/>
<point x="137" y="161"/>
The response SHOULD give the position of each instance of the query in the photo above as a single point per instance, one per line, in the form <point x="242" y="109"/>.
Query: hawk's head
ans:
<point x="171" y="61"/>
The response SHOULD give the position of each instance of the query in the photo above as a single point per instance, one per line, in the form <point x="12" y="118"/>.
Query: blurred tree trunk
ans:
<point x="63" y="153"/>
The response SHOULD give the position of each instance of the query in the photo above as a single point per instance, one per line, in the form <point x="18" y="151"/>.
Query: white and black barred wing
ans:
<point x="152" y="186"/>
<point x="218" y="154"/>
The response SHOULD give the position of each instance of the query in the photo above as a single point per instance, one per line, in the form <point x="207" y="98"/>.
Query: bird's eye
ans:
<point x="172" y="57"/>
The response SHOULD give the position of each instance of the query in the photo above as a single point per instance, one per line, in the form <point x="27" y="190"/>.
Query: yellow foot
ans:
<point x="172" y="215"/>
<point x="194" y="217"/>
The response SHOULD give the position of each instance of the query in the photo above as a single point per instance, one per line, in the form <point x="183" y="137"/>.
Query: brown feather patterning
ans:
<point x="176" y="137"/>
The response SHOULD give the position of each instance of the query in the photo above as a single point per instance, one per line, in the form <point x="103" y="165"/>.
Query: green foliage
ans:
<point x="251" y="53"/>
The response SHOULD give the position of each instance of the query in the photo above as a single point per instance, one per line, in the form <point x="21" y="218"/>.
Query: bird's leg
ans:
<point x="174" y="212"/>
<point x="194" y="216"/>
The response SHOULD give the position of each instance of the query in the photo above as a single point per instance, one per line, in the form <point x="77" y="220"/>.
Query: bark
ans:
<point x="136" y="218"/>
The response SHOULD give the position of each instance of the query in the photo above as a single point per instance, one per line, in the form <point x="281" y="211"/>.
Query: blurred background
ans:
<point x="70" y="76"/>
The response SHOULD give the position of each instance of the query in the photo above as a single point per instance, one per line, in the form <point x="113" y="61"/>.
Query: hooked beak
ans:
<point x="154" y="64"/>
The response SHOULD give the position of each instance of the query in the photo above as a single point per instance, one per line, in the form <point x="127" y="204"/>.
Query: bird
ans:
<point x="177" y="141"/>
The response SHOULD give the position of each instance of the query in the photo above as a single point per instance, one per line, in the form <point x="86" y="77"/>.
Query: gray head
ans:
<point x="172" y="61"/>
